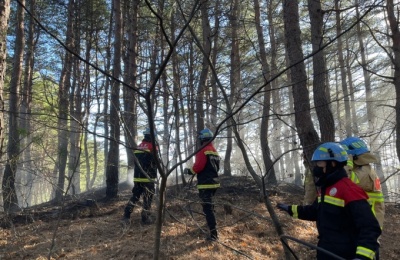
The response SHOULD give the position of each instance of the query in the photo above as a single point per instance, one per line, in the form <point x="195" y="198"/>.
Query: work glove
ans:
<point x="187" y="171"/>
<point x="283" y="207"/>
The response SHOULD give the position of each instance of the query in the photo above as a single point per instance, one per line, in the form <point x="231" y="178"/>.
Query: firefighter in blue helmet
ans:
<point x="346" y="225"/>
<point x="362" y="174"/>
<point x="206" y="167"/>
<point x="145" y="176"/>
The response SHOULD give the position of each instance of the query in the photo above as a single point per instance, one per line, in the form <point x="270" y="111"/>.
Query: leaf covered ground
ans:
<point x="82" y="229"/>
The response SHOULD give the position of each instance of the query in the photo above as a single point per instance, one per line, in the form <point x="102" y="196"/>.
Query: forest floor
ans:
<point x="86" y="230"/>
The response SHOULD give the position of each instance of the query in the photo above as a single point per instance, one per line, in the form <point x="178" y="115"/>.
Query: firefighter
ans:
<point x="346" y="225"/>
<point x="206" y="167"/>
<point x="145" y="176"/>
<point x="362" y="174"/>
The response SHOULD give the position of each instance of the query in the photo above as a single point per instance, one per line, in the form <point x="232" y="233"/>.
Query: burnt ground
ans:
<point x="87" y="227"/>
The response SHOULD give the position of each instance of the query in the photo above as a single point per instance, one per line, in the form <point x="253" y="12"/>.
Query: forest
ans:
<point x="80" y="80"/>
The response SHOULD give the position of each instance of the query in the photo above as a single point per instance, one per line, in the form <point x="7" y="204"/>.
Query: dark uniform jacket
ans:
<point x="345" y="222"/>
<point x="206" y="167"/>
<point x="144" y="154"/>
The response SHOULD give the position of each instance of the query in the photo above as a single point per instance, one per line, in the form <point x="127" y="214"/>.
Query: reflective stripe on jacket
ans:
<point x="206" y="167"/>
<point x="345" y="223"/>
<point x="146" y="170"/>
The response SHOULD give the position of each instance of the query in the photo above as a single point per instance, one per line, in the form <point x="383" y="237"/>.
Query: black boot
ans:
<point x="126" y="219"/>
<point x="213" y="235"/>
<point x="147" y="218"/>
<point x="128" y="210"/>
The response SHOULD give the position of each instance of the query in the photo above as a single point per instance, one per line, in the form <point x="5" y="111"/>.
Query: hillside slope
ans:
<point x="87" y="230"/>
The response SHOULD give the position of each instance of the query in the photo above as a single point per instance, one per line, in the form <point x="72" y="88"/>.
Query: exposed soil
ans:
<point x="89" y="228"/>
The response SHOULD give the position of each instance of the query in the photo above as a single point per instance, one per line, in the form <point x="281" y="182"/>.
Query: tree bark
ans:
<point x="206" y="43"/>
<point x="62" y="124"/>
<point x="305" y="129"/>
<point x="10" y="198"/>
<point x="264" y="142"/>
<point x="112" y="171"/>
<point x="235" y="79"/>
<point x="394" y="27"/>
<point x="26" y="107"/>
<point x="346" y="96"/>
<point x="324" y="114"/>
<point x="4" y="15"/>
<point x="130" y="97"/>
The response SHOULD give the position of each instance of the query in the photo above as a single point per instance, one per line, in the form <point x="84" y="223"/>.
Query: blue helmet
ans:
<point x="205" y="134"/>
<point x="354" y="146"/>
<point x="147" y="132"/>
<point x="330" y="152"/>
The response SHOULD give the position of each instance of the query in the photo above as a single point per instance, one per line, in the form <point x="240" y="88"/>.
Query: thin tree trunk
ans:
<point x="367" y="78"/>
<point x="107" y="95"/>
<point x="343" y="77"/>
<point x="75" y="104"/>
<point x="13" y="146"/>
<point x="235" y="79"/>
<point x="4" y="15"/>
<point x="86" y="101"/>
<point x="26" y="103"/>
<point x="264" y="142"/>
<point x="276" y="93"/>
<point x="206" y="43"/>
<point x="112" y="171"/>
<point x="214" y="54"/>
<point x="62" y="124"/>
<point x="354" y="123"/>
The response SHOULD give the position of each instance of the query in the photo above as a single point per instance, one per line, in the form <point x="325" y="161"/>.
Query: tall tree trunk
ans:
<point x="86" y="108"/>
<point x="354" y="123"/>
<point x="206" y="43"/>
<point x="346" y="97"/>
<point x="10" y="198"/>
<point x="26" y="104"/>
<point x="264" y="142"/>
<point x="107" y="86"/>
<point x="324" y="114"/>
<point x="177" y="96"/>
<point x="305" y="129"/>
<point x="130" y="96"/>
<point x="75" y="108"/>
<point x="394" y="27"/>
<point x="367" y="78"/>
<point x="276" y="93"/>
<point x="112" y="171"/>
<point x="214" y="54"/>
<point x="4" y="15"/>
<point x="62" y="124"/>
<point x="235" y="79"/>
<point x="190" y="133"/>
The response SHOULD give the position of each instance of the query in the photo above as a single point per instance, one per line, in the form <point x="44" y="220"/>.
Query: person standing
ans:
<point x="206" y="167"/>
<point x="362" y="174"/>
<point x="346" y="225"/>
<point x="145" y="176"/>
